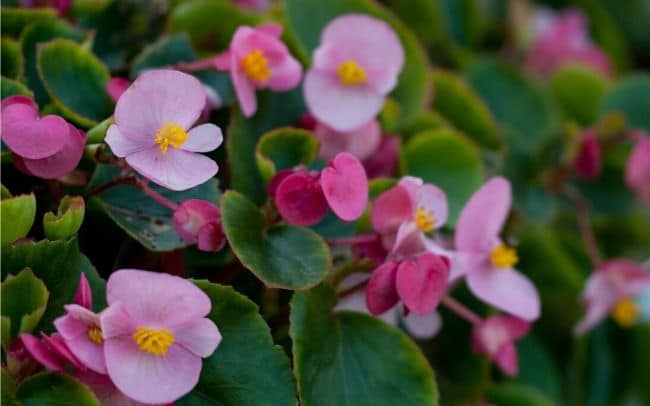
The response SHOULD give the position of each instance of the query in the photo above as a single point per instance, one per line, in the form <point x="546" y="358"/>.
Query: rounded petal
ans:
<point x="30" y="136"/>
<point x="84" y="296"/>
<point x="300" y="199"/>
<point x="177" y="170"/>
<point x="274" y="30"/>
<point x="434" y="200"/>
<point x="157" y="299"/>
<point x="421" y="282"/>
<point x="423" y="327"/>
<point x="245" y="90"/>
<point x="507" y="290"/>
<point x="285" y="75"/>
<point x="343" y="108"/>
<point x="115" y="321"/>
<point x="362" y="142"/>
<point x="62" y="162"/>
<point x="75" y="333"/>
<point x="200" y="337"/>
<point x="408" y="240"/>
<point x="392" y="208"/>
<point x="381" y="294"/>
<point x="211" y="237"/>
<point x="345" y="186"/>
<point x="482" y="218"/>
<point x="507" y="359"/>
<point x="203" y="138"/>
<point x="122" y="145"/>
<point x="151" y="378"/>
<point x="41" y="353"/>
<point x="191" y="215"/>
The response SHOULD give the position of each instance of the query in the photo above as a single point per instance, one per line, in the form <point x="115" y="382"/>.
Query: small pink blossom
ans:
<point x="199" y="221"/>
<point x="354" y="68"/>
<point x="485" y="261"/>
<point x="613" y="284"/>
<point x="152" y="130"/>
<point x="587" y="163"/>
<point x="362" y="142"/>
<point x="495" y="337"/>
<point x="257" y="59"/>
<point x="155" y="334"/>
<point x="637" y="170"/>
<point x="116" y="87"/>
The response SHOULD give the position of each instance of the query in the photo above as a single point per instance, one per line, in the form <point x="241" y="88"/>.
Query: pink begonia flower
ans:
<point x="354" y="68"/>
<point x="560" y="39"/>
<point x="302" y="197"/>
<point x="373" y="250"/>
<point x="105" y="390"/>
<point x="405" y="213"/>
<point x="362" y="142"/>
<point x="152" y="130"/>
<point x="50" y="351"/>
<point x="587" y="163"/>
<point x="257" y="59"/>
<point x="637" y="170"/>
<point x="487" y="262"/>
<point x="47" y="147"/>
<point x="199" y="221"/>
<point x="611" y="288"/>
<point x="116" y="87"/>
<point x="495" y="337"/>
<point x="419" y="282"/>
<point x="155" y="334"/>
<point x="385" y="158"/>
<point x="420" y="327"/>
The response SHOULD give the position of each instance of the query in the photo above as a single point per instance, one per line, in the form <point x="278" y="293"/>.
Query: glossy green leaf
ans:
<point x="631" y="97"/>
<point x="76" y="81"/>
<point x="579" y="91"/>
<point x="307" y="18"/>
<point x="12" y="58"/>
<point x="350" y="358"/>
<point x="513" y="394"/>
<point x="8" y="394"/>
<point x="285" y="148"/>
<point x="21" y="210"/>
<point x="142" y="218"/>
<point x="281" y="256"/>
<point x="67" y="220"/>
<point x="10" y="87"/>
<point x="59" y="265"/>
<point x="24" y="298"/>
<point x="15" y="19"/>
<point x="537" y="367"/>
<point x="49" y="388"/>
<point x="247" y="368"/>
<point x="448" y="160"/>
<point x="97" y="134"/>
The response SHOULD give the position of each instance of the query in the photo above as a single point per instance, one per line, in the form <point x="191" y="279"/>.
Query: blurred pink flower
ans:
<point x="611" y="288"/>
<point x="199" y="221"/>
<point x="485" y="261"/>
<point x="587" y="162"/>
<point x="354" y="68"/>
<point x="637" y="171"/>
<point x="495" y="337"/>
<point x="116" y="87"/>
<point x="255" y="5"/>
<point x="257" y="59"/>
<point x="152" y="130"/>
<point x="47" y="147"/>
<point x="362" y="142"/>
<point x="384" y="160"/>
<point x="155" y="334"/>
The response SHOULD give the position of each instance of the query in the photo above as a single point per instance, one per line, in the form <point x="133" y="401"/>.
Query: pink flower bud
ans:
<point x="587" y="162"/>
<point x="637" y="171"/>
<point x="381" y="293"/>
<point x="300" y="199"/>
<point x="199" y="221"/>
<point x="84" y="296"/>
<point x="495" y="337"/>
<point x="116" y="86"/>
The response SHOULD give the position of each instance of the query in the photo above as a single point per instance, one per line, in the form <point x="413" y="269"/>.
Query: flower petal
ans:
<point x="345" y="186"/>
<point x="30" y="136"/>
<point x="200" y="337"/>
<point x="122" y="145"/>
<point x="381" y="294"/>
<point x="434" y="200"/>
<point x="285" y="75"/>
<point x="203" y="138"/>
<point x="62" y="162"/>
<point x="300" y="199"/>
<point x="75" y="333"/>
<point x="392" y="208"/>
<point x="421" y="282"/>
<point x="362" y="142"/>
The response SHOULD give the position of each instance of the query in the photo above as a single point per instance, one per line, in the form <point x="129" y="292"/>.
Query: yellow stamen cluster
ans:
<point x="625" y="312"/>
<point x="256" y="66"/>
<point x="153" y="341"/>
<point x="425" y="220"/>
<point x="351" y="74"/>
<point x="170" y="134"/>
<point x="95" y="335"/>
<point x="503" y="256"/>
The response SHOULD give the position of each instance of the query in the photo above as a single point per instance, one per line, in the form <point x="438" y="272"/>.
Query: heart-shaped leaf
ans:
<point x="24" y="298"/>
<point x="49" y="388"/>
<point x="21" y="210"/>
<point x="632" y="98"/>
<point x="67" y="220"/>
<point x="285" y="148"/>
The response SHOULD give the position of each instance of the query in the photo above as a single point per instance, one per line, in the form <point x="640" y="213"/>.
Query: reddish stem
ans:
<point x="582" y="215"/>
<point x="156" y="196"/>
<point x="461" y="310"/>
<point x="357" y="239"/>
<point x="352" y="289"/>
<point x="202" y="64"/>
<point x="142" y="185"/>
<point x="130" y="180"/>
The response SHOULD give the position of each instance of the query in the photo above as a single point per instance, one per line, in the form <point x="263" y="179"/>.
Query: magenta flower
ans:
<point x="485" y="260"/>
<point x="405" y="213"/>
<point x="587" y="162"/>
<point x="47" y="147"/>
<point x="198" y="221"/>
<point x="419" y="282"/>
<point x="155" y="334"/>
<point x="495" y="337"/>
<point x="152" y="130"/>
<point x="637" y="170"/>
<point x="257" y="59"/>
<point x="362" y="142"/>
<point x="354" y="68"/>
<point x="50" y="351"/>
<point x="611" y="288"/>
<point x="385" y="159"/>
<point x="255" y="5"/>
<point x="116" y="87"/>
<point x="303" y="197"/>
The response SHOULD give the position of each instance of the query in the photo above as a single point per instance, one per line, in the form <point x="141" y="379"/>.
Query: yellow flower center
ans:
<point x="95" y="335"/>
<point x="256" y="66"/>
<point x="503" y="256"/>
<point x="170" y="134"/>
<point x="351" y="74"/>
<point x="153" y="341"/>
<point x="625" y="312"/>
<point x="425" y="220"/>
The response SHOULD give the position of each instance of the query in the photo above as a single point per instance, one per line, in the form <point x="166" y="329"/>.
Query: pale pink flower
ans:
<point x="495" y="337"/>
<point x="637" y="170"/>
<point x="362" y="142"/>
<point x="152" y="130"/>
<point x="198" y="221"/>
<point x="354" y="68"/>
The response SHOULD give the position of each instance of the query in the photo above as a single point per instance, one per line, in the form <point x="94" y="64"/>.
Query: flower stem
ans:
<point x="202" y="64"/>
<point x="354" y="288"/>
<point x="461" y="310"/>
<point x="133" y="181"/>
<point x="156" y="196"/>
<point x="582" y="215"/>
<point x="129" y="180"/>
<point x="357" y="239"/>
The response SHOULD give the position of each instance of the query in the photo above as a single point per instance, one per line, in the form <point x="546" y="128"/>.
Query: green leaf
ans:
<point x="8" y="395"/>
<point x="350" y="358"/>
<point x="142" y="218"/>
<point x="76" y="81"/>
<point x="49" y="388"/>
<point x="59" y="265"/>
<point x="281" y="256"/>
<point x="24" y="298"/>
<point x="12" y="58"/>
<point x="10" y="87"/>
<point x="21" y="210"/>
<point x="274" y="110"/>
<point x="579" y="91"/>
<point x="97" y="134"/>
<point x="246" y="368"/>
<point x="537" y="368"/>
<point x="460" y="105"/>
<point x="631" y="96"/>
<point x="15" y="19"/>
<point x="448" y="160"/>
<point x="67" y="220"/>
<point x="514" y="394"/>
<point x="285" y="148"/>
<point x="307" y="18"/>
